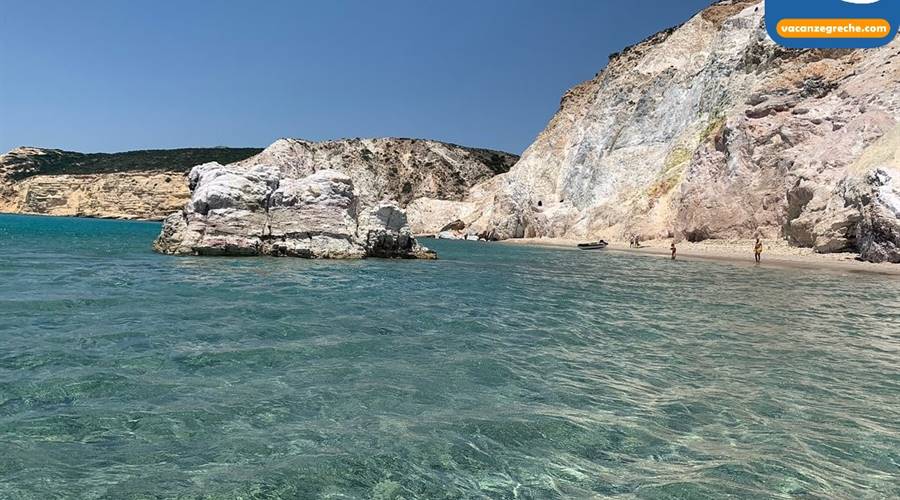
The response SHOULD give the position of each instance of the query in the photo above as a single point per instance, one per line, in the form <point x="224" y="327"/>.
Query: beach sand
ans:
<point x="775" y="254"/>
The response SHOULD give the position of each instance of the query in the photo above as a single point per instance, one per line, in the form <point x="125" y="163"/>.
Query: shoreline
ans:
<point x="776" y="254"/>
<point x="92" y="217"/>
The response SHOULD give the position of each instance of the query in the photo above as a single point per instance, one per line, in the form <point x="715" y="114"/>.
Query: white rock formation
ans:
<point x="428" y="216"/>
<point x="256" y="210"/>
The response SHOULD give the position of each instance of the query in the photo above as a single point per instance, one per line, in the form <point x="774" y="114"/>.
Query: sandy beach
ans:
<point x="775" y="254"/>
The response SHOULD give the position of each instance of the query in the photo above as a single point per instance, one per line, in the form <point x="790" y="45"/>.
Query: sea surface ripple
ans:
<point x="496" y="372"/>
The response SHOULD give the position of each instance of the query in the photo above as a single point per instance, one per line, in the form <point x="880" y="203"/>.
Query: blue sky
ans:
<point x="115" y="75"/>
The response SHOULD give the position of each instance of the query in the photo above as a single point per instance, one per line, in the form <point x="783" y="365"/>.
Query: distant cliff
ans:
<point x="132" y="185"/>
<point x="395" y="169"/>
<point x="711" y="130"/>
<point x="152" y="184"/>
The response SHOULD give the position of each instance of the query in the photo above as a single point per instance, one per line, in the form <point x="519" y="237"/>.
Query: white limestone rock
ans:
<point x="238" y="210"/>
<point x="384" y="232"/>
<point x="428" y="216"/>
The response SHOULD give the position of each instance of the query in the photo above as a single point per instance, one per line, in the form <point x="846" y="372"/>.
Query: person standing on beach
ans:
<point x="673" y="250"/>
<point x="757" y="251"/>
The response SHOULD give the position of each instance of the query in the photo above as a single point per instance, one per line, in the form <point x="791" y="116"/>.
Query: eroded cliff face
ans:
<point x="146" y="196"/>
<point x="711" y="130"/>
<point x="136" y="185"/>
<point x="152" y="184"/>
<point x="401" y="170"/>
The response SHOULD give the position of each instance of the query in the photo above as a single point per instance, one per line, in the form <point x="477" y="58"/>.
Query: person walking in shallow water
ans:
<point x="757" y="251"/>
<point x="673" y="250"/>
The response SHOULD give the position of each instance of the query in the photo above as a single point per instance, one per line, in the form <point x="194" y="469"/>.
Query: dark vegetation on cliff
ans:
<point x="498" y="162"/>
<point x="23" y="163"/>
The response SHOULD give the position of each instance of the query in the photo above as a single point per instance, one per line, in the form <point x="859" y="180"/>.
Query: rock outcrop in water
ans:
<point x="259" y="210"/>
<point x="134" y="185"/>
<point x="335" y="199"/>
<point x="711" y="130"/>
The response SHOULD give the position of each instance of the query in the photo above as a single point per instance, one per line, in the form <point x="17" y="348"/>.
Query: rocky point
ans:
<point x="258" y="210"/>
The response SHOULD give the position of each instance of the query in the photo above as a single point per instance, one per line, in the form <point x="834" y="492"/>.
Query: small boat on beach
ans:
<point x="596" y="245"/>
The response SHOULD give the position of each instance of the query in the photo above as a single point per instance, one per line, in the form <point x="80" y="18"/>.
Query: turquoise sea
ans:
<point x="496" y="372"/>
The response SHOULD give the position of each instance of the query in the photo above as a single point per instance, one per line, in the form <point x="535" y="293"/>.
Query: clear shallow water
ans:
<point x="496" y="372"/>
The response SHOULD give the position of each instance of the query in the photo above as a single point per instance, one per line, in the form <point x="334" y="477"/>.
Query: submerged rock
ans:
<point x="237" y="210"/>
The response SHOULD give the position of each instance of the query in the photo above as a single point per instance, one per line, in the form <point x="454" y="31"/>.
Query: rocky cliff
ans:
<point x="711" y="130"/>
<point x="152" y="185"/>
<point x="389" y="168"/>
<point x="132" y="185"/>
